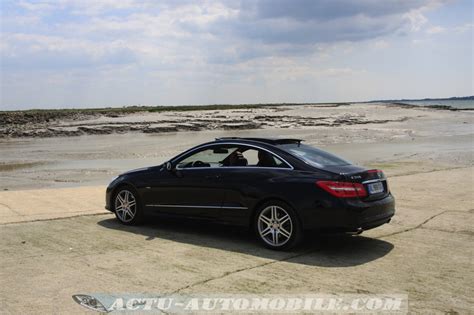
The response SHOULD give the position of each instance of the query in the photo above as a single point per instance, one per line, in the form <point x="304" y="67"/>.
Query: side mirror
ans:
<point x="168" y="166"/>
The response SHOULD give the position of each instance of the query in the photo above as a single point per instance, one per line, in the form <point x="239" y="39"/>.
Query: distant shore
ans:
<point x="160" y="119"/>
<point x="432" y="106"/>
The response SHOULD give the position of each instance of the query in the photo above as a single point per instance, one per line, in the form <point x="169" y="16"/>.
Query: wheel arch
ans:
<point x="116" y="189"/>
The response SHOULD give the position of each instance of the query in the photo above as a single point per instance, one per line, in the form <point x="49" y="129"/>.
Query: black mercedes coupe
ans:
<point x="278" y="187"/>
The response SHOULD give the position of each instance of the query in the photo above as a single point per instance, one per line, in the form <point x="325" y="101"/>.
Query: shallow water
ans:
<point x="460" y="104"/>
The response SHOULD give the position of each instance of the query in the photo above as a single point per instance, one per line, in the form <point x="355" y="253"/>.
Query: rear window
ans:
<point x="313" y="156"/>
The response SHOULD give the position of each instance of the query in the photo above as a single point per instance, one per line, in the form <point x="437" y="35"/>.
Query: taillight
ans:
<point x="374" y="171"/>
<point x="343" y="189"/>
<point x="376" y="174"/>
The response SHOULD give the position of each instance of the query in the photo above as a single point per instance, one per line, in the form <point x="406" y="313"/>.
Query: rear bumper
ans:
<point x="352" y="215"/>
<point x="367" y="216"/>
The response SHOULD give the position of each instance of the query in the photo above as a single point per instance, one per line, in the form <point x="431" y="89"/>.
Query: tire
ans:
<point x="127" y="206"/>
<point x="277" y="226"/>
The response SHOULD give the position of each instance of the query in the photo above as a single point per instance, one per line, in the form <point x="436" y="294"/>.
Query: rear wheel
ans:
<point x="277" y="226"/>
<point x="127" y="206"/>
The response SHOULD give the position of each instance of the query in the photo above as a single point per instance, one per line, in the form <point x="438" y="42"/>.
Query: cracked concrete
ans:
<point x="426" y="253"/>
<point x="421" y="225"/>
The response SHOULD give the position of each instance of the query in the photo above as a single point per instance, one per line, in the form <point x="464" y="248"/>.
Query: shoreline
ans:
<point x="165" y="119"/>
<point x="434" y="106"/>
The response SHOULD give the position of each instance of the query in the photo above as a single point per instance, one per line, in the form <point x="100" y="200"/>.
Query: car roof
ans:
<point x="273" y="141"/>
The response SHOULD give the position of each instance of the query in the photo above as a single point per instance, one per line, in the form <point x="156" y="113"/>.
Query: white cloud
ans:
<point x="86" y="7"/>
<point x="381" y="44"/>
<point x="464" y="28"/>
<point x="436" y="30"/>
<point x="36" y="6"/>
<point x="175" y="46"/>
<point x="417" y="19"/>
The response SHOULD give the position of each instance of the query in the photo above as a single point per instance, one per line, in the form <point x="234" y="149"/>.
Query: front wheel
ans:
<point x="277" y="226"/>
<point x="127" y="206"/>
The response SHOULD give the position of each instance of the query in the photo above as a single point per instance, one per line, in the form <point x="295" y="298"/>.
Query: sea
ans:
<point x="458" y="104"/>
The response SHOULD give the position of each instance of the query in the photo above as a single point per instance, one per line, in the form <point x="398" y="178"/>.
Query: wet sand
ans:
<point x="397" y="139"/>
<point x="153" y="120"/>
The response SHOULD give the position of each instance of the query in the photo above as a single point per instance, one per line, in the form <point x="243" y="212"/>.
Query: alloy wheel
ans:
<point x="275" y="226"/>
<point x="125" y="206"/>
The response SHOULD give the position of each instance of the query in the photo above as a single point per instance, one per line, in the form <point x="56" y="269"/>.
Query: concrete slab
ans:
<point x="45" y="204"/>
<point x="426" y="253"/>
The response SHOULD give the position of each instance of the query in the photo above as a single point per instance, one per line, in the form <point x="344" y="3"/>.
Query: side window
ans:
<point x="231" y="156"/>
<point x="252" y="157"/>
<point x="279" y="163"/>
<point x="211" y="157"/>
<point x="262" y="158"/>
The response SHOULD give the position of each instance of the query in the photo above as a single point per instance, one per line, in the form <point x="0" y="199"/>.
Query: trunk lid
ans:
<point x="373" y="180"/>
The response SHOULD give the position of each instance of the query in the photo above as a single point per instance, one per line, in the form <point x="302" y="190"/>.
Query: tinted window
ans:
<point x="261" y="158"/>
<point x="231" y="156"/>
<point x="313" y="156"/>
<point x="211" y="157"/>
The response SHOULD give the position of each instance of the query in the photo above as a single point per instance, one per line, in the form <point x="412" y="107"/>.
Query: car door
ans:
<point x="188" y="190"/>
<point x="247" y="185"/>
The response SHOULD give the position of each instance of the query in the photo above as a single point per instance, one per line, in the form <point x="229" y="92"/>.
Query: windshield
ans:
<point x="313" y="156"/>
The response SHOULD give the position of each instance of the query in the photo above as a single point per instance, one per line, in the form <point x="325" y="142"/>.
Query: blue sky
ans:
<point x="97" y="53"/>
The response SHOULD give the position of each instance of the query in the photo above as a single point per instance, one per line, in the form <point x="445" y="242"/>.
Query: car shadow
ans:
<point x="318" y="249"/>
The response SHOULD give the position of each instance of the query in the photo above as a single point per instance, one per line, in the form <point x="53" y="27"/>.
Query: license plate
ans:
<point x="375" y="188"/>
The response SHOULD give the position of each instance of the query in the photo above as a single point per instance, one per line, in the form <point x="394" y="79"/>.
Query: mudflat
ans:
<point x="379" y="135"/>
